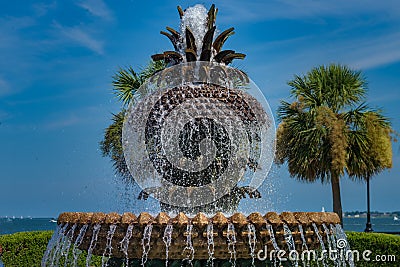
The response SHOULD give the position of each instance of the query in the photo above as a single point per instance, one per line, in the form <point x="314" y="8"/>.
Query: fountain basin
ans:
<point x="148" y="233"/>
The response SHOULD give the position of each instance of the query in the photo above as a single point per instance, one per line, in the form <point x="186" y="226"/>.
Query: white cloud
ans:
<point x="365" y="52"/>
<point x="361" y="53"/>
<point x="376" y="52"/>
<point x="97" y="8"/>
<point x="81" y="37"/>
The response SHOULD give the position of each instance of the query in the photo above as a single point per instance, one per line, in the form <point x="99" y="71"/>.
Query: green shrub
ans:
<point x="27" y="249"/>
<point x="378" y="244"/>
<point x="24" y="249"/>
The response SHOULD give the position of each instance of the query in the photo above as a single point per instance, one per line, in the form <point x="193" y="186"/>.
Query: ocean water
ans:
<point x="378" y="224"/>
<point x="13" y="225"/>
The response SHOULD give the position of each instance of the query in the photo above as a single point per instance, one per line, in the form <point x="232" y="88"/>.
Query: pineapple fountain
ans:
<point x="198" y="138"/>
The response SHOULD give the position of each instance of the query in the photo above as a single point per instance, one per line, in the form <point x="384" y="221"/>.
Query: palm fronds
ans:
<point x="126" y="81"/>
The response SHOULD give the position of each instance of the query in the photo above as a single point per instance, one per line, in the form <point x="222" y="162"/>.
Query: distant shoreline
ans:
<point x="374" y="214"/>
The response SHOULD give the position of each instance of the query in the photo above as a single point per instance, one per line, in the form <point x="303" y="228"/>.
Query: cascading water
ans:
<point x="146" y="243"/>
<point x="231" y="237"/>
<point x="96" y="230"/>
<point x="60" y="241"/>
<point x="125" y="243"/>
<point x="108" y="250"/>
<point x="189" y="250"/>
<point x="167" y="238"/>
<point x="327" y="233"/>
<point x="273" y="240"/>
<point x="67" y="243"/>
<point x="303" y="239"/>
<point x="321" y="242"/>
<point x="343" y="245"/>
<point x="52" y="243"/>
<point x="252" y="241"/>
<point x="290" y="241"/>
<point x="272" y="236"/>
<point x="331" y="244"/>
<point x="77" y="243"/>
<point x="338" y="260"/>
<point x="210" y="244"/>
<point x="304" y="246"/>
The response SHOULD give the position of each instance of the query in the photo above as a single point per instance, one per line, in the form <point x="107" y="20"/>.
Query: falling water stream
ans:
<point x="304" y="246"/>
<point x="338" y="260"/>
<point x="60" y="241"/>
<point x="231" y="237"/>
<point x="342" y="239"/>
<point x="67" y="243"/>
<point x="333" y="236"/>
<point x="189" y="250"/>
<point x="273" y="241"/>
<point x="251" y="234"/>
<point x="290" y="241"/>
<point x="146" y="243"/>
<point x="303" y="239"/>
<point x="327" y="232"/>
<point x="125" y="243"/>
<point x="210" y="244"/>
<point x="75" y="251"/>
<point x="108" y="250"/>
<point x="96" y="230"/>
<point x="331" y="244"/>
<point x="167" y="238"/>
<point x="52" y="243"/>
<point x="321" y="242"/>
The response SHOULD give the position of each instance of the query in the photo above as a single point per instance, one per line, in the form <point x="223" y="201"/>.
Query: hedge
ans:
<point x="381" y="245"/>
<point x="26" y="249"/>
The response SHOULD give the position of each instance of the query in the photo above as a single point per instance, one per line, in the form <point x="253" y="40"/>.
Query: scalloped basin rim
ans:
<point x="144" y="218"/>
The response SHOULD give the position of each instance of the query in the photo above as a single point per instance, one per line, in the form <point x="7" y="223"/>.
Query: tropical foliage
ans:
<point x="328" y="131"/>
<point x="126" y="83"/>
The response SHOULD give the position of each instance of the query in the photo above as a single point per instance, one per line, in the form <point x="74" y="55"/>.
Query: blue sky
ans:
<point x="57" y="59"/>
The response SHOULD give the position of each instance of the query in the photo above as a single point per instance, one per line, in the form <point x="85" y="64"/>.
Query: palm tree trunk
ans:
<point x="337" y="202"/>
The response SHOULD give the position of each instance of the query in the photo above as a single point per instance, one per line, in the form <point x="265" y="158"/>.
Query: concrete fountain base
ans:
<point x="199" y="237"/>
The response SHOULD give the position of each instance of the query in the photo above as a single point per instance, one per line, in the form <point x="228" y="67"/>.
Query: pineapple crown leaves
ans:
<point x="209" y="47"/>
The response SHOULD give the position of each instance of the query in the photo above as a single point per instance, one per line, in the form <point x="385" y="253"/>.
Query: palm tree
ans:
<point x="327" y="131"/>
<point x="379" y="154"/>
<point x="125" y="83"/>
